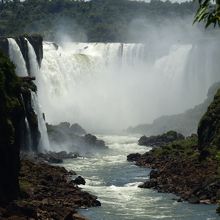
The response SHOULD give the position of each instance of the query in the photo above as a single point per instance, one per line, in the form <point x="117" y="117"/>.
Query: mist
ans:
<point x="111" y="86"/>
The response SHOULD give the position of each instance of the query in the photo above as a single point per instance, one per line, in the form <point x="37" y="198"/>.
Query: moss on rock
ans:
<point x="209" y="126"/>
<point x="10" y="118"/>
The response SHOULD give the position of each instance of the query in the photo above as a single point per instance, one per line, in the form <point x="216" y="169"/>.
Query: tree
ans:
<point x="208" y="12"/>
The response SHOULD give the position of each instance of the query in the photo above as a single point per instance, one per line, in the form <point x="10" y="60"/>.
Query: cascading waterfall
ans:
<point x="105" y="86"/>
<point x="28" y="136"/>
<point x="21" y="70"/>
<point x="44" y="144"/>
<point x="34" y="66"/>
<point x="35" y="71"/>
<point x="17" y="58"/>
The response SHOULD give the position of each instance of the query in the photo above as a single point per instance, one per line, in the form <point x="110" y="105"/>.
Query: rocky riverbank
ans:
<point x="47" y="192"/>
<point x="185" y="123"/>
<point x="177" y="168"/>
<point x="73" y="138"/>
<point x="190" y="168"/>
<point x="159" y="140"/>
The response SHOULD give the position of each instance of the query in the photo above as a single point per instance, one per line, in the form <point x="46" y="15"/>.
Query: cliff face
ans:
<point x="185" y="123"/>
<point x="37" y="43"/>
<point x="11" y="115"/>
<point x="30" y="117"/>
<point x="35" y="40"/>
<point x="15" y="112"/>
<point x="4" y="45"/>
<point x="209" y="126"/>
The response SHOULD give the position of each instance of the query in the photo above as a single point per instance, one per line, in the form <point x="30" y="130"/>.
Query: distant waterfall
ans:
<point x="114" y="85"/>
<point x="17" y="58"/>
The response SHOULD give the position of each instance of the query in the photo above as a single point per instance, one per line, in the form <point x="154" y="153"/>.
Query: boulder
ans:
<point x="79" y="181"/>
<point x="149" y="184"/>
<point x="4" y="46"/>
<point x="56" y="157"/>
<point x="133" y="157"/>
<point x="154" y="174"/>
<point x="160" y="140"/>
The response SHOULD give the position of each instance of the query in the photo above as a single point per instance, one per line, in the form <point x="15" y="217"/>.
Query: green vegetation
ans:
<point x="25" y="187"/>
<point x="97" y="20"/>
<point x="10" y="114"/>
<point x="9" y="85"/>
<point x="209" y="12"/>
<point x="209" y="126"/>
<point x="185" y="148"/>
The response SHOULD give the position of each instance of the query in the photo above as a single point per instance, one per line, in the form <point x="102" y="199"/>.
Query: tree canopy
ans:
<point x="96" y="20"/>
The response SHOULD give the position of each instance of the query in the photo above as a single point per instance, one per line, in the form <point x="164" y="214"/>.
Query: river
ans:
<point x="115" y="182"/>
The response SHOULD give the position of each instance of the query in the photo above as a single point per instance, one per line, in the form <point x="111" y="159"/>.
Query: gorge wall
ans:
<point x="26" y="52"/>
<point x="12" y="124"/>
<point x="186" y="123"/>
<point x="19" y="127"/>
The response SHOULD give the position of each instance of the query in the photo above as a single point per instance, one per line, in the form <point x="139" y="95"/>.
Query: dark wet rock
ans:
<point x="79" y="181"/>
<point x="74" y="129"/>
<point x="160" y="140"/>
<point x="149" y="184"/>
<point x="4" y="46"/>
<point x="133" y="157"/>
<point x="179" y="200"/>
<point x="55" y="157"/>
<point x="74" y="216"/>
<point x="50" y="194"/>
<point x="194" y="199"/>
<point x="92" y="140"/>
<point x="77" y="129"/>
<point x="177" y="169"/>
<point x="73" y="138"/>
<point x="154" y="174"/>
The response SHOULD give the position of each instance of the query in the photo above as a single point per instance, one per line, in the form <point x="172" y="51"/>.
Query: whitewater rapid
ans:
<point x="115" y="181"/>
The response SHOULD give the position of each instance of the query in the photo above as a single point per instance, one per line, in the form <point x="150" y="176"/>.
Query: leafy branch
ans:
<point x="208" y="12"/>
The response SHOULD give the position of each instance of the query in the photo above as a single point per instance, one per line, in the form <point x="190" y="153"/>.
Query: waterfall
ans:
<point x="28" y="142"/>
<point x="34" y="66"/>
<point x="114" y="85"/>
<point x="35" y="71"/>
<point x="17" y="58"/>
<point x="27" y="134"/>
<point x="44" y="144"/>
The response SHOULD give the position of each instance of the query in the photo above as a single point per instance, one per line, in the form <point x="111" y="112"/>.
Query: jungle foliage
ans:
<point x="96" y="20"/>
<point x="208" y="12"/>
